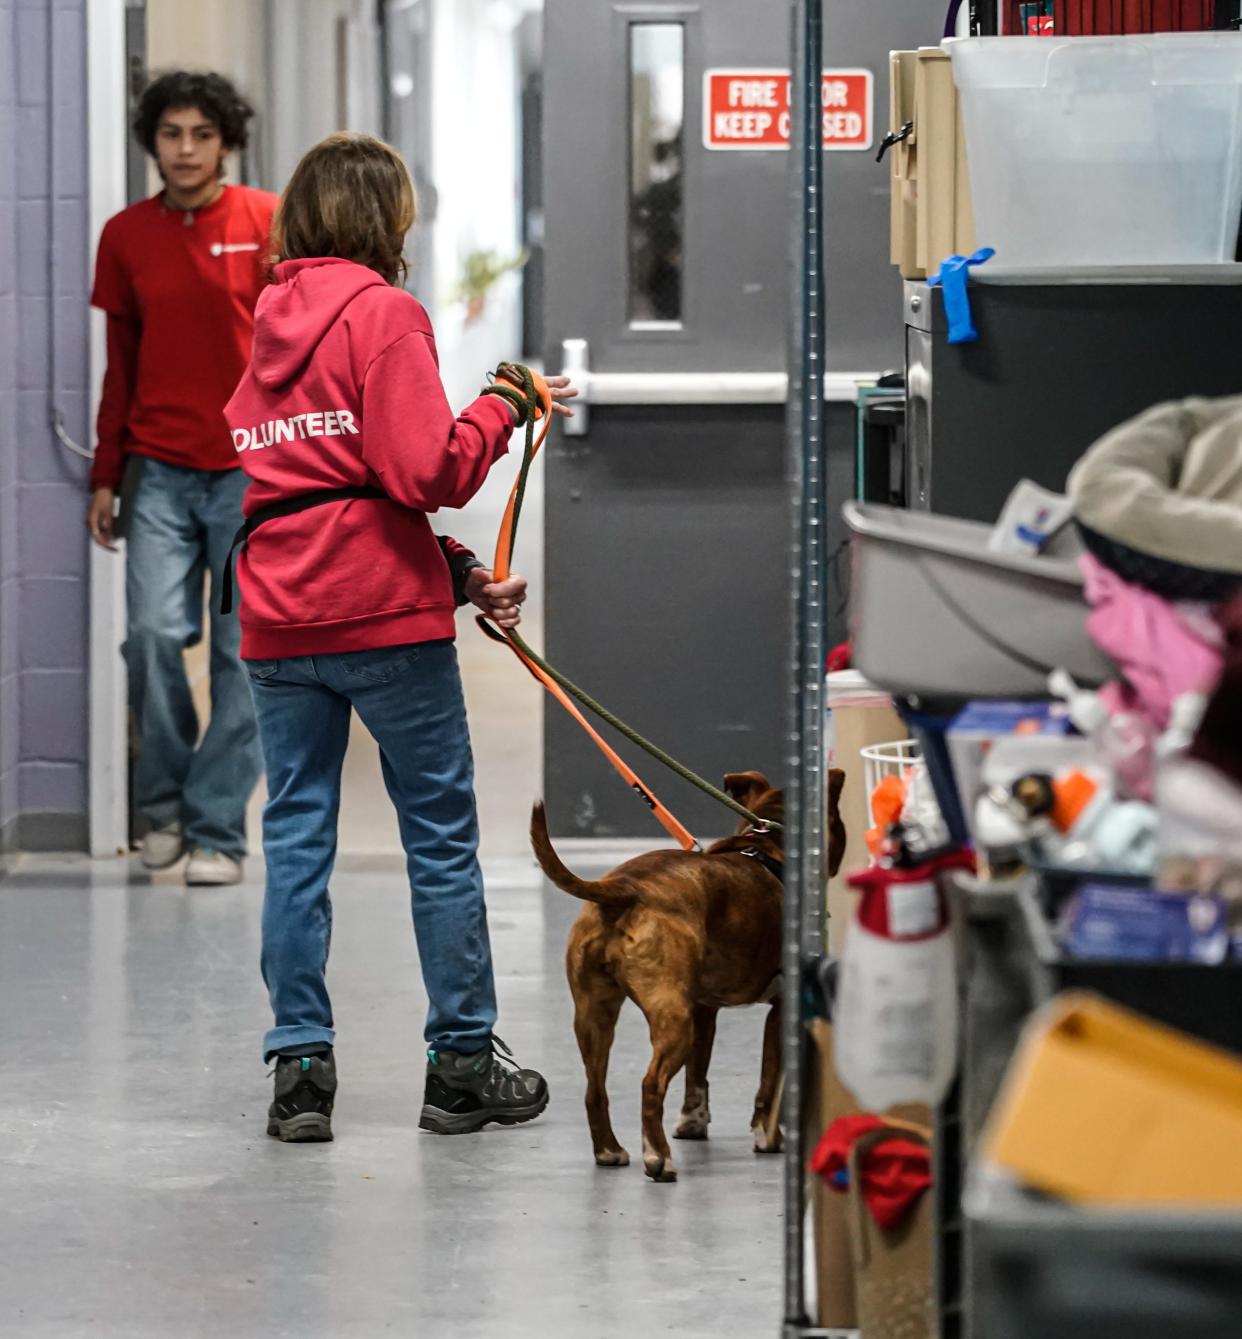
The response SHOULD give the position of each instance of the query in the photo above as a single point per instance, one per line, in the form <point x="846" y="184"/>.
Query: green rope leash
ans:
<point x="530" y="401"/>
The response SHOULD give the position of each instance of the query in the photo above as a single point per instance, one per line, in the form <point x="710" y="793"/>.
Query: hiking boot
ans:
<point x="162" y="847"/>
<point x="466" y="1092"/>
<point x="212" y="869"/>
<point x="305" y="1092"/>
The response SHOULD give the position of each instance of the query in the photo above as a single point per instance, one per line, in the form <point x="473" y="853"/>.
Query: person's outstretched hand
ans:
<point x="501" y="601"/>
<point x="561" y="389"/>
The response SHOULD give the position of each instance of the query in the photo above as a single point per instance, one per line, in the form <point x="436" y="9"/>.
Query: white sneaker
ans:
<point x="209" y="868"/>
<point x="162" y="847"/>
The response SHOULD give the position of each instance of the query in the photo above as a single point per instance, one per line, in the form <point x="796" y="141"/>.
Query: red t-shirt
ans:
<point x="180" y="291"/>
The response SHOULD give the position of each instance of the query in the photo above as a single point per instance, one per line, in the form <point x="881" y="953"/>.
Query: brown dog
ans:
<point x="683" y="934"/>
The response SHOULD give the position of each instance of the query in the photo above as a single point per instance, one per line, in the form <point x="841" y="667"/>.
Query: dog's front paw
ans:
<point x="612" y="1157"/>
<point x="658" y="1168"/>
<point x="763" y="1143"/>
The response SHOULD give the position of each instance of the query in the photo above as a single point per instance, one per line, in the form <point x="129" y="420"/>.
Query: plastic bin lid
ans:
<point x="1086" y="276"/>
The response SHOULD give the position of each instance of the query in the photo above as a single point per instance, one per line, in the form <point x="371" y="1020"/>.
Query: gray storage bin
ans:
<point x="934" y="614"/>
<point x="1047" y="1270"/>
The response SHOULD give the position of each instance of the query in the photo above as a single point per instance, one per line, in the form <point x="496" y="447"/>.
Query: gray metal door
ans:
<point x="666" y="273"/>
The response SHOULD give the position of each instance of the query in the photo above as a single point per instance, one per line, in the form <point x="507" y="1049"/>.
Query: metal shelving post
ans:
<point x="804" y="756"/>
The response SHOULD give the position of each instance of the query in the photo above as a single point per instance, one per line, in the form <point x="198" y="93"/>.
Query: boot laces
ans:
<point x="503" y="1054"/>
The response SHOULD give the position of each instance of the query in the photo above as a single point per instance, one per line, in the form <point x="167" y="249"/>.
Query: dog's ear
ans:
<point x="836" y="783"/>
<point x="745" y="787"/>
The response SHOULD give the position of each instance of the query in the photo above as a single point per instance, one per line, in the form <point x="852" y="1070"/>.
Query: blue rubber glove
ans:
<point x="953" y="276"/>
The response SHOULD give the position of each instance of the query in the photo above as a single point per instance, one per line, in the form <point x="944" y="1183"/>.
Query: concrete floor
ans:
<point x="142" y="1198"/>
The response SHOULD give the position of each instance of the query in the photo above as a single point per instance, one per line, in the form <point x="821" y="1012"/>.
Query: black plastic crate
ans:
<point x="1205" y="1001"/>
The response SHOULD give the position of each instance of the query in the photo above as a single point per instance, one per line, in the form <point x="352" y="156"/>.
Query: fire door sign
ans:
<point x="749" y="109"/>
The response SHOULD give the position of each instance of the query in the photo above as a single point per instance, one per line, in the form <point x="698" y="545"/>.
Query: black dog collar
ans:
<point x="774" y="867"/>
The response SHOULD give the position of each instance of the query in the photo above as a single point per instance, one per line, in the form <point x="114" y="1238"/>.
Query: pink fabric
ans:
<point x="1163" y="650"/>
<point x="1219" y="741"/>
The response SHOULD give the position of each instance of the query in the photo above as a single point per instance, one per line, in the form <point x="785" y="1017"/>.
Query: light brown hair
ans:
<point x="351" y="197"/>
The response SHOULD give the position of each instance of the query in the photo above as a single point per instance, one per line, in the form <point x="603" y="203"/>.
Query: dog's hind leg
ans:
<point x="597" y="1002"/>
<point x="696" y="1110"/>
<point x="763" y="1124"/>
<point x="670" y="1017"/>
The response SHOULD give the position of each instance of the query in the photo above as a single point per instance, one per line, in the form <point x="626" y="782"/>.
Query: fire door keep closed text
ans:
<point x="749" y="109"/>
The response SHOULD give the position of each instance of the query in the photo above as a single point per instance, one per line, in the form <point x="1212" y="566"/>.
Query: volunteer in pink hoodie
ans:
<point x="347" y="603"/>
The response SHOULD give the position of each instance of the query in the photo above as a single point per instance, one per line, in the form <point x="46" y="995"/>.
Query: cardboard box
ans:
<point x="1101" y="1106"/>
<point x="834" y="1269"/>
<point x="859" y="719"/>
<point x="931" y="212"/>
<point x="835" y="1274"/>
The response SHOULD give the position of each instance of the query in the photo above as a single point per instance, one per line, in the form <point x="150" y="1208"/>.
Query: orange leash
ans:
<point x="500" y="572"/>
<point x="666" y="819"/>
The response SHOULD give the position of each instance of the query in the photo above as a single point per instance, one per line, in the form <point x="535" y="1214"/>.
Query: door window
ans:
<point x="656" y="204"/>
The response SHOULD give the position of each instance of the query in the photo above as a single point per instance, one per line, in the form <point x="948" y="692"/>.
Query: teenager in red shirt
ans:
<point x="178" y="276"/>
<point x="348" y="605"/>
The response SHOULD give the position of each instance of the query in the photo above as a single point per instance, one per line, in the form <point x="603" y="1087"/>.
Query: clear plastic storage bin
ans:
<point x="1088" y="151"/>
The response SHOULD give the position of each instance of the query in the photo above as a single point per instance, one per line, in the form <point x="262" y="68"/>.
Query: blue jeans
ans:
<point x="182" y="522"/>
<point x="410" y="699"/>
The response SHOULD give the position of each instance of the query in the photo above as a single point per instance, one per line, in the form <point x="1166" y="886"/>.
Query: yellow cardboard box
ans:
<point x="1103" y="1106"/>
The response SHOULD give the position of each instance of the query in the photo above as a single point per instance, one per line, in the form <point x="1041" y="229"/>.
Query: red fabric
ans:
<point x="895" y="1172"/>
<point x="344" y="389"/>
<point x="123" y="340"/>
<point x="839" y="658"/>
<point x="1084" y="18"/>
<point x="180" y="300"/>
<point x="1103" y="17"/>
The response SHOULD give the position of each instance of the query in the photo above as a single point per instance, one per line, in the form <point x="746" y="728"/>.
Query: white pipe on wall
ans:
<point x="107" y="130"/>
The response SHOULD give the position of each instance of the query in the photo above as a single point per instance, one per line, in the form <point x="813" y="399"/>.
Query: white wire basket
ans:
<point x="894" y="759"/>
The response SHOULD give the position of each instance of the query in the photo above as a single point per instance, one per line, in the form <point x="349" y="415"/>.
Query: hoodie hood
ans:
<point x="302" y="304"/>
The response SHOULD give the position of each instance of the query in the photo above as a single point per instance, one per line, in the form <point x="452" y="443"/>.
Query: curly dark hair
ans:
<point x="212" y="94"/>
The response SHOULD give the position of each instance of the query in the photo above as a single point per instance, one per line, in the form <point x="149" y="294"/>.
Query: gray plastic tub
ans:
<point x="934" y="614"/>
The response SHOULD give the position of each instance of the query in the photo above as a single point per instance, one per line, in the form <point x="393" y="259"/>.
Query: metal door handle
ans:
<point x="669" y="388"/>
<point x="576" y="365"/>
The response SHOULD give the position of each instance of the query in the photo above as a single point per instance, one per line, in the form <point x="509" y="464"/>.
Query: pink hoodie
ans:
<point x="343" y="389"/>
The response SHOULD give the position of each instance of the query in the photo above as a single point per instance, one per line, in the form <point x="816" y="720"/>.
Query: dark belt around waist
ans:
<point x="289" y="506"/>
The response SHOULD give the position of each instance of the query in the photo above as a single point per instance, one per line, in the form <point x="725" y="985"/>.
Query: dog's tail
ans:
<point x="607" y="892"/>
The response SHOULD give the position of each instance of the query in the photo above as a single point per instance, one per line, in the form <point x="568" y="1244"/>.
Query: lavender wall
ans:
<point x="44" y="651"/>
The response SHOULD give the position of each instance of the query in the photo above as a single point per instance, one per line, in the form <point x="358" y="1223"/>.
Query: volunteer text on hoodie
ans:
<point x="343" y="389"/>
